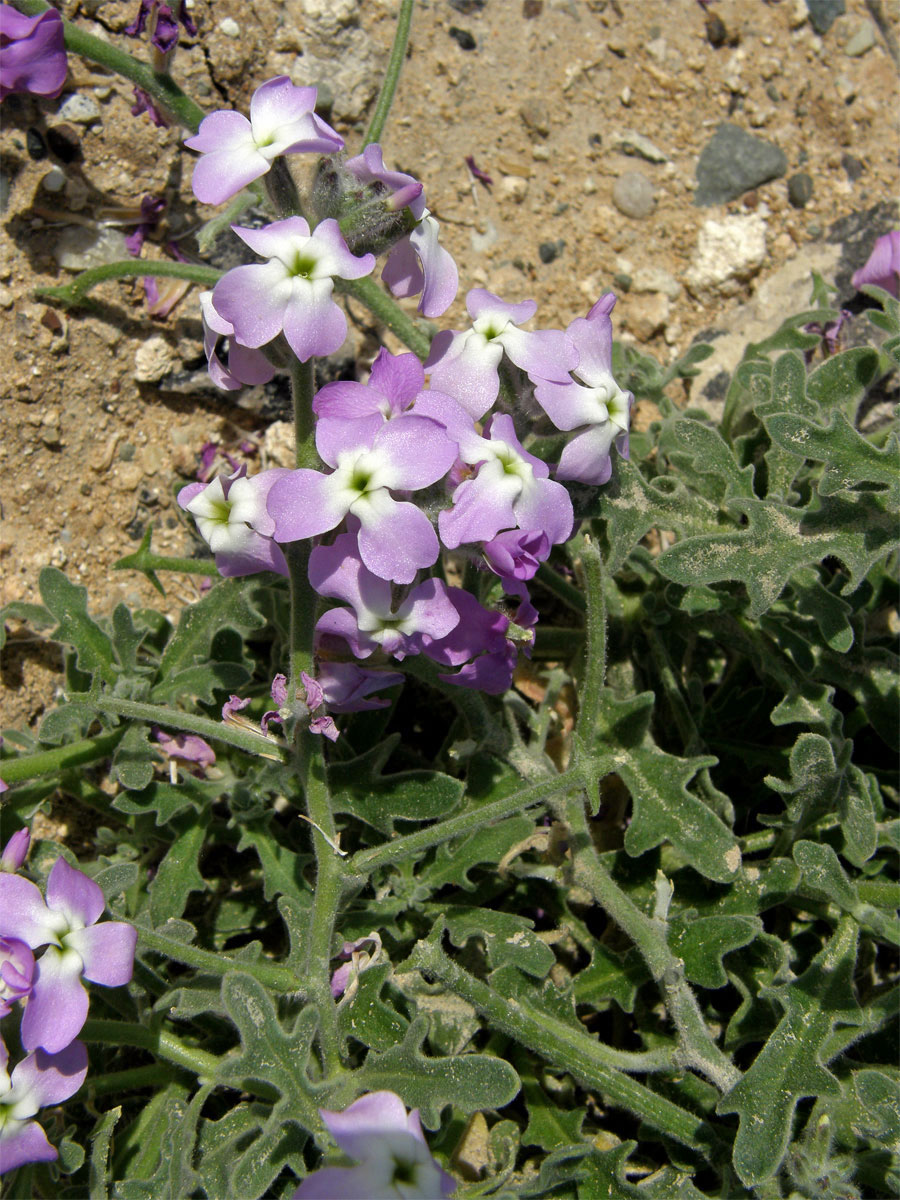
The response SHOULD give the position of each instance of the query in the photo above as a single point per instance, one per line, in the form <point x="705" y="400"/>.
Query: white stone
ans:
<point x="653" y="280"/>
<point x="230" y="27"/>
<point x="514" y="188"/>
<point x="81" y="246"/>
<point x="154" y="360"/>
<point x="728" y="252"/>
<point x="327" y="16"/>
<point x="352" y="76"/>
<point x="54" y="180"/>
<point x="79" y="109"/>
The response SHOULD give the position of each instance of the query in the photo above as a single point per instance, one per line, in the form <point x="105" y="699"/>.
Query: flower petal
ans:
<point x="51" y="1078"/>
<point x="58" y="1006"/>
<point x="305" y="503"/>
<point x="25" y="915"/>
<point x="107" y="952"/>
<point x="396" y="539"/>
<point x="72" y="893"/>
<point x="24" y="1142"/>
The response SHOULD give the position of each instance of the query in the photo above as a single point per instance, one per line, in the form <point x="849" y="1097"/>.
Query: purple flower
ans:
<point x="516" y="554"/>
<point x="76" y="946"/>
<point x="185" y="748"/>
<point x="39" y="1080"/>
<point x="359" y="961"/>
<point x="394" y="383"/>
<point x="152" y="208"/>
<point x="509" y="487"/>
<point x="245" y="366"/>
<point x="593" y="404"/>
<point x="237" y="151"/>
<point x="346" y="686"/>
<point x="396" y="539"/>
<point x="374" y="622"/>
<point x="292" y="292"/>
<point x="231" y="515"/>
<point x="465" y="365"/>
<point x="417" y="263"/>
<point x="480" y="642"/>
<point x="144" y="103"/>
<point x="883" y="266"/>
<point x="16" y="972"/>
<point x="32" y="53"/>
<point x="388" y="1144"/>
<point x="15" y="851"/>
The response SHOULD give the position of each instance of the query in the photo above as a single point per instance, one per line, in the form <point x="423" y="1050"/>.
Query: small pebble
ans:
<point x="104" y="92"/>
<point x="622" y="282"/>
<point x="845" y="88"/>
<point x="230" y="27"/>
<point x="800" y="189"/>
<point x="639" y="146"/>
<point x="633" y="195"/>
<point x="716" y="32"/>
<point x="853" y="167"/>
<point x="536" y="116"/>
<point x="617" y="48"/>
<point x="54" y="180"/>
<point x="37" y="147"/>
<point x="773" y="93"/>
<point x="468" y="8"/>
<point x="80" y="109"/>
<point x="462" y="37"/>
<point x="548" y="251"/>
<point x="862" y="41"/>
<point x="823" y="13"/>
<point x="532" y="9"/>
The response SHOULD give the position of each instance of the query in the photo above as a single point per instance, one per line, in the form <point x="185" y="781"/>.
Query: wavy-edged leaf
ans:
<point x="178" y="874"/>
<point x="366" y="1017"/>
<point x="841" y="381"/>
<point x="68" y="603"/>
<point x="135" y="759"/>
<point x="610" y="976"/>
<point x="507" y="938"/>
<point x="789" y="1066"/>
<point x="700" y="453"/>
<point x="407" y="796"/>
<point x="702" y="942"/>
<point x="167" y="800"/>
<point x="850" y="459"/>
<point x="228" y="605"/>
<point x="453" y="862"/>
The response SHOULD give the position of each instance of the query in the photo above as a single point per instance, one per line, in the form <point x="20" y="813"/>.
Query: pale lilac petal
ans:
<point x="338" y="258"/>
<point x="313" y="324"/>
<point x="458" y="421"/>
<point x="545" y="505"/>
<point x="58" y="1005"/>
<point x="438" y="267"/>
<point x="516" y="554"/>
<point x="482" y="506"/>
<point x="346" y="685"/>
<point x="398" y="377"/>
<point x="248" y="366"/>
<point x="593" y="339"/>
<point x="883" y="266"/>
<point x="304" y="504"/>
<point x="229" y="157"/>
<point x="342" y="623"/>
<point x="325" y="727"/>
<point x="418" y="451"/>
<point x="545" y="354"/>
<point x="346" y="400"/>
<point x="278" y="691"/>
<point x="51" y="1078"/>
<point x="348" y="1183"/>
<point x="254" y="299"/>
<point x="481" y="303"/>
<point x="371" y="1116"/>
<point x="275" y="239"/>
<point x="338" y="572"/>
<point x="338" y="435"/>
<point x="586" y="458"/>
<point x="107" y="952"/>
<point x="25" y="915"/>
<point x="32" y="53"/>
<point x="24" y="1142"/>
<point x="429" y="609"/>
<point x="72" y="893"/>
<point x="568" y="405"/>
<point x="396" y="539"/>
<point x="403" y="272"/>
<point x="491" y="673"/>
<point x="15" y="851"/>
<point x="464" y="366"/>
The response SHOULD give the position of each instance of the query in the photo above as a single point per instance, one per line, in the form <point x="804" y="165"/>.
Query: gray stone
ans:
<point x="733" y="162"/>
<point x="824" y="13"/>
<point x="536" y="116"/>
<point x="79" y="109"/>
<point x="634" y="195"/>
<point x="862" y="40"/>
<point x="83" y="246"/>
<point x="636" y="144"/>
<point x="800" y="189"/>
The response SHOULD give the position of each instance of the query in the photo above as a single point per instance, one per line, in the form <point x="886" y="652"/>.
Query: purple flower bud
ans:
<point x="15" y="851"/>
<point x="883" y="266"/>
<point x="16" y="972"/>
<point x="143" y="103"/>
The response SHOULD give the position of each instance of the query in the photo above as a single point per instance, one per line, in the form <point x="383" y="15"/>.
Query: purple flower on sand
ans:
<point x="231" y="515"/>
<point x="593" y="404"/>
<point x="417" y="263"/>
<point x="32" y="53"/>
<point x="396" y="539"/>
<point x="292" y="292"/>
<point x="387" y="1142"/>
<point x="373" y="622"/>
<point x="245" y="366"/>
<point x="883" y="266"/>
<point x="76" y="946"/>
<point x="39" y="1080"/>
<point x="465" y="365"/>
<point x="237" y="151"/>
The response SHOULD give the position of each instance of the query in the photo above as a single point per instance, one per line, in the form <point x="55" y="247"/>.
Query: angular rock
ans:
<point x="728" y="252"/>
<point x="636" y="144"/>
<point x="824" y="13"/>
<point x="79" y="109"/>
<point x="733" y="162"/>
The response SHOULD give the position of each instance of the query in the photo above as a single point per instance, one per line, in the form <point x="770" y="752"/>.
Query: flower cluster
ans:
<point x="411" y="469"/>
<point x="48" y="990"/>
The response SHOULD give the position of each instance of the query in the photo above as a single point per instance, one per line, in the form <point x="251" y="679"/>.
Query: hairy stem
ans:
<point x="48" y="762"/>
<point x="74" y="293"/>
<point x="160" y="86"/>
<point x="587" y="1060"/>
<point x="158" y="714"/>
<point x="391" y="75"/>
<point x="387" y="311"/>
<point x="271" y="975"/>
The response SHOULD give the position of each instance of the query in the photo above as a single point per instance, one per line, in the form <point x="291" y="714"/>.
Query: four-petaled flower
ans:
<point x="236" y="151"/>
<point x="231" y="515"/>
<point x="39" y="1080"/>
<point x="292" y="292"/>
<point x="389" y="1145"/>
<point x="76" y="946"/>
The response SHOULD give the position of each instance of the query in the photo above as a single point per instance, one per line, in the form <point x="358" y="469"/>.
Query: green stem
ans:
<point x="570" y="595"/>
<point x="156" y="1041"/>
<point x="74" y="293"/>
<point x="158" y="85"/>
<point x="391" y="75"/>
<point x="563" y="1046"/>
<point x="270" y="975"/>
<point x="48" y="762"/>
<point x="115" y="1082"/>
<point x="162" y="562"/>
<point x="364" y="862"/>
<point x="303" y="390"/>
<point x="698" y="1049"/>
<point x="232" y="735"/>
<point x="595" y="649"/>
<point x="388" y="312"/>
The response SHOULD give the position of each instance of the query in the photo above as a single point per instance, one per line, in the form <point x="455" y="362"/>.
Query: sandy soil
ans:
<point x="105" y="411"/>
